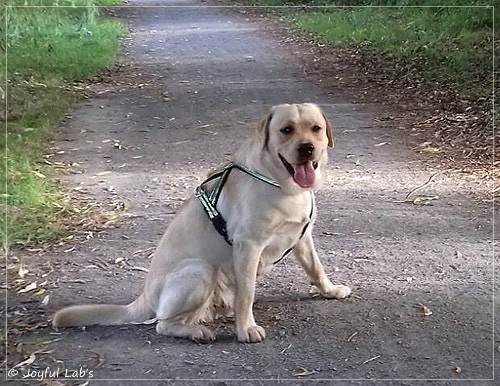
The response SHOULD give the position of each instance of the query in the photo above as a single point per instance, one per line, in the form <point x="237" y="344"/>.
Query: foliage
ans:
<point x="48" y="44"/>
<point x="451" y="43"/>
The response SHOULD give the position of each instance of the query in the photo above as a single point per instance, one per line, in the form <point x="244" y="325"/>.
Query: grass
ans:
<point x="452" y="45"/>
<point x="46" y="49"/>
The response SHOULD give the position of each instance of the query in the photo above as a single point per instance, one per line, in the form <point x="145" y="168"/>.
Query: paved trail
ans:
<point x="196" y="80"/>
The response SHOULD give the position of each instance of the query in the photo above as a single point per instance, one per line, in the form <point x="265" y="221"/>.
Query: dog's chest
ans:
<point x="282" y="240"/>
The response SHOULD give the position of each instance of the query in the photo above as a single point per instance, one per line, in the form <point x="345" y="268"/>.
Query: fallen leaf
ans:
<point x="424" y="309"/>
<point x="136" y="268"/>
<point x="304" y="373"/>
<point x="46" y="300"/>
<point x="120" y="260"/>
<point x="22" y="271"/>
<point x="26" y="362"/>
<point x="424" y="200"/>
<point x="431" y="149"/>
<point x="29" y="287"/>
<point x="38" y="174"/>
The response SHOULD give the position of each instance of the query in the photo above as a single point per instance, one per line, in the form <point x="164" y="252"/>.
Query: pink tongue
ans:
<point x="304" y="174"/>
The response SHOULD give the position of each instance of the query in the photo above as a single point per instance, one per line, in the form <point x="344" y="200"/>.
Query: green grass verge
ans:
<point x="452" y="45"/>
<point x="46" y="48"/>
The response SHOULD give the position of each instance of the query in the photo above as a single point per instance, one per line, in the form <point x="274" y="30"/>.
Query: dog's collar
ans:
<point x="209" y="199"/>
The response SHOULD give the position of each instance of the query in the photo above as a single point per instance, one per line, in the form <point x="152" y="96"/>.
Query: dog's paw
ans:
<point x="198" y="333"/>
<point x="336" y="292"/>
<point x="202" y="334"/>
<point x="252" y="334"/>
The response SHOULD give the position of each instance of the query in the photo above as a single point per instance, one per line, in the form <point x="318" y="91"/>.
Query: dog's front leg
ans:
<point x="246" y="262"/>
<point x="307" y="257"/>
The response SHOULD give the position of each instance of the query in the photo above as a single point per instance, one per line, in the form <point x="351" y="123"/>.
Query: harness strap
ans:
<point x="209" y="201"/>
<point x="301" y="233"/>
<point x="217" y="220"/>
<point x="259" y="176"/>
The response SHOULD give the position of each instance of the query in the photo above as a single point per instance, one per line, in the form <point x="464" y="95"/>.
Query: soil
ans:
<point x="193" y="83"/>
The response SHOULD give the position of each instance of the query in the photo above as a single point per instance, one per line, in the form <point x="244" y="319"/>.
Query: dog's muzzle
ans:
<point x="305" y="150"/>
<point x="303" y="173"/>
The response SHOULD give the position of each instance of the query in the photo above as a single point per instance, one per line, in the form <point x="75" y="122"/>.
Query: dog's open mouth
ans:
<point x="303" y="173"/>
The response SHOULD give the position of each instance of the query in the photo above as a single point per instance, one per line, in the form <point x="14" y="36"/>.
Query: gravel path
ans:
<point x="194" y="82"/>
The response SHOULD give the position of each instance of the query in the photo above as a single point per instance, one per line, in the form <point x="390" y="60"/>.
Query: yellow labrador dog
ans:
<point x="241" y="220"/>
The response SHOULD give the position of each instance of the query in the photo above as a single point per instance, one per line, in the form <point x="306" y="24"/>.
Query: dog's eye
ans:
<point x="316" y="128"/>
<point x="287" y="130"/>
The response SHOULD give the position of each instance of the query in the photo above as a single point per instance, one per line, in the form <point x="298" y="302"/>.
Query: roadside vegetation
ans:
<point x="451" y="44"/>
<point x="46" y="45"/>
<point x="449" y="47"/>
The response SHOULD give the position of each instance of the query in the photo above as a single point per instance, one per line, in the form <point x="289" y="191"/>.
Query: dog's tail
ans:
<point x="104" y="314"/>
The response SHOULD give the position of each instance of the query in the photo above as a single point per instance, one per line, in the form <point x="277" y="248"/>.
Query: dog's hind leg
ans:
<point x="185" y="298"/>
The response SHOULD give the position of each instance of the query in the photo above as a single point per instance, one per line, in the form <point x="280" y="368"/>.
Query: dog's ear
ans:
<point x="262" y="129"/>
<point x="328" y="130"/>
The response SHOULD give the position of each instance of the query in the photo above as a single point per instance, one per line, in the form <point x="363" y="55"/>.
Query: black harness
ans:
<point x="210" y="198"/>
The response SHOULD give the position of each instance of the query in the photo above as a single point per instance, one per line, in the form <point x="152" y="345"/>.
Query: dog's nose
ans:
<point x="305" y="149"/>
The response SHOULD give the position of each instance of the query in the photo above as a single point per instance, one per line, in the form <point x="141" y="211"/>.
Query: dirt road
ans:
<point x="194" y="82"/>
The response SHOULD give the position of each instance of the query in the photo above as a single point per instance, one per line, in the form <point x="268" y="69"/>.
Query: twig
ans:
<point x="413" y="191"/>
<point x="352" y="336"/>
<point x="371" y="359"/>
<point x="100" y="359"/>
<point x="143" y="250"/>
<point x="137" y="268"/>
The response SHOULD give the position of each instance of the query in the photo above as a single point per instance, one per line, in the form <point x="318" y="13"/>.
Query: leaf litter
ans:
<point x="423" y="309"/>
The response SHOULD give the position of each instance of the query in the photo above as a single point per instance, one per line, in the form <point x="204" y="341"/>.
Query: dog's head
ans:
<point x="296" y="138"/>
